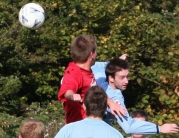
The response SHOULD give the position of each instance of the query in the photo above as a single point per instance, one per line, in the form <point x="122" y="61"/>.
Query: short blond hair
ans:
<point x="32" y="129"/>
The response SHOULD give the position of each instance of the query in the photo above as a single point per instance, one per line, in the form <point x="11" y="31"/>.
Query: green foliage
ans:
<point x="50" y="113"/>
<point x="32" y="61"/>
<point x="9" y="87"/>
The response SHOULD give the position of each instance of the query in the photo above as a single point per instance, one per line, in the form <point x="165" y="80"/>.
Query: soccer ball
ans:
<point x="32" y="15"/>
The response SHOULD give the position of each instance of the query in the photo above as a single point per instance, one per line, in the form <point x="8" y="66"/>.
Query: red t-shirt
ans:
<point x="79" y="81"/>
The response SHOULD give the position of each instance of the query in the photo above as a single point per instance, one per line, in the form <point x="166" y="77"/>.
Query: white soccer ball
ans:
<point x="32" y="15"/>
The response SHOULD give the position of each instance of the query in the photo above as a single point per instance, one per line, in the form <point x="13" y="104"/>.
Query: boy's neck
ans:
<point x="85" y="66"/>
<point x="95" y="118"/>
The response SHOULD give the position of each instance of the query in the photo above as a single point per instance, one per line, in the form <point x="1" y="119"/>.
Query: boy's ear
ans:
<point x="84" y="107"/>
<point x="91" y="54"/>
<point x="111" y="79"/>
<point x="19" y="136"/>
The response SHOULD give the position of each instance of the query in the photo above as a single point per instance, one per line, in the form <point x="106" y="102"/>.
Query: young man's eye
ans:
<point x="123" y="77"/>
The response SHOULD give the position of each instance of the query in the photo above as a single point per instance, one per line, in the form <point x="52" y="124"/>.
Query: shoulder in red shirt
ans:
<point x="79" y="81"/>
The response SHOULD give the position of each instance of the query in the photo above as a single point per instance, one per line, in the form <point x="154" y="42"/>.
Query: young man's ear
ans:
<point x="84" y="107"/>
<point x="19" y="136"/>
<point x="92" y="55"/>
<point x="111" y="79"/>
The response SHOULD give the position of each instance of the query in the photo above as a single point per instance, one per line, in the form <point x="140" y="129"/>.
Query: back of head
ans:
<point x="114" y="66"/>
<point x="82" y="46"/>
<point x="32" y="129"/>
<point x="139" y="114"/>
<point x="96" y="102"/>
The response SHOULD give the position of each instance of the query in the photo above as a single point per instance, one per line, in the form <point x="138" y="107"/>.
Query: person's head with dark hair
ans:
<point x="32" y="129"/>
<point x="93" y="126"/>
<point x="83" y="47"/>
<point x="95" y="102"/>
<point x="117" y="71"/>
<point x="139" y="115"/>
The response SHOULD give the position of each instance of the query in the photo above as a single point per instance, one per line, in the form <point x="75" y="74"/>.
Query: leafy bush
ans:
<point x="50" y="113"/>
<point x="32" y="61"/>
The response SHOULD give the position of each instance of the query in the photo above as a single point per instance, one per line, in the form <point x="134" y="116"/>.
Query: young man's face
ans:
<point x="139" y="135"/>
<point x="120" y="80"/>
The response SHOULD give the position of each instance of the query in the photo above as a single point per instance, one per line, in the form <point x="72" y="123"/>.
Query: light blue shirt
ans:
<point x="131" y="137"/>
<point x="128" y="124"/>
<point x="88" y="128"/>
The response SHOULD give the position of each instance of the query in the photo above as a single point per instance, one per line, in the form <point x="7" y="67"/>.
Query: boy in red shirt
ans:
<point x="78" y="78"/>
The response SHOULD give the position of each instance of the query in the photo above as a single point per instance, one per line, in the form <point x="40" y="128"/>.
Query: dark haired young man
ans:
<point x="113" y="83"/>
<point x="93" y="126"/>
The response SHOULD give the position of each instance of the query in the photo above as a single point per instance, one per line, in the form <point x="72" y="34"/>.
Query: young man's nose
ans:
<point x="126" y="80"/>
